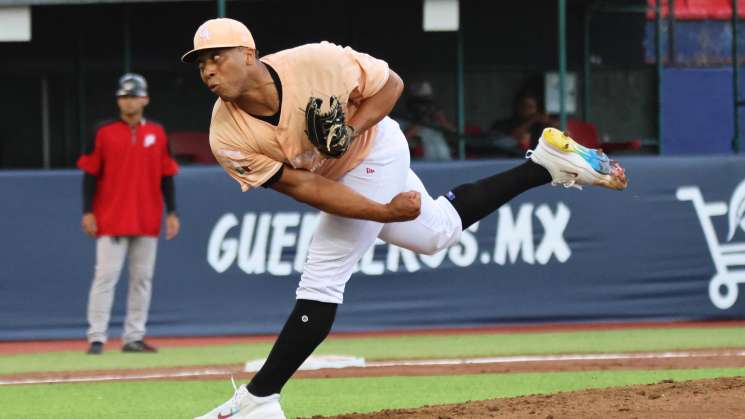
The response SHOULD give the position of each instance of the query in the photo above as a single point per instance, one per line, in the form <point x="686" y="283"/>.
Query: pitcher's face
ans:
<point x="224" y="70"/>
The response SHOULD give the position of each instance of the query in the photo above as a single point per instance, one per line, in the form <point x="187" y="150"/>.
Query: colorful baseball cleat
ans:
<point x="244" y="405"/>
<point x="574" y="165"/>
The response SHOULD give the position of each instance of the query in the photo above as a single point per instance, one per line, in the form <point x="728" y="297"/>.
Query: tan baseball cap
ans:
<point x="220" y="33"/>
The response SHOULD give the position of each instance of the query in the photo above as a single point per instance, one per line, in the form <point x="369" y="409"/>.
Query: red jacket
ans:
<point x="129" y="163"/>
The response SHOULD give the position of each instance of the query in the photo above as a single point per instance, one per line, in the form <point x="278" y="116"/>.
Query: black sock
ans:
<point x="305" y="329"/>
<point x="474" y="201"/>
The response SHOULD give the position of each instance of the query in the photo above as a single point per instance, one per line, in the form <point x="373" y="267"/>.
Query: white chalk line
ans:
<point x="119" y="377"/>
<point x="399" y="363"/>
<point x="549" y="358"/>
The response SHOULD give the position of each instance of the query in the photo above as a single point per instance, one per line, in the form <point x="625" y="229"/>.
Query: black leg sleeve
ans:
<point x="305" y="329"/>
<point x="476" y="200"/>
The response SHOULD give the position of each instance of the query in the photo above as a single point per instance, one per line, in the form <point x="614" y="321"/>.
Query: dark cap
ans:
<point x="132" y="84"/>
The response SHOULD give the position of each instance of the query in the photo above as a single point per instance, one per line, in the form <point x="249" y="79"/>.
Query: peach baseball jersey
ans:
<point x="252" y="150"/>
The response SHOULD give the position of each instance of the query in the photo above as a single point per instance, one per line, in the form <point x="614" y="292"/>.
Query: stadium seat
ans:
<point x="586" y="134"/>
<point x="698" y="9"/>
<point x="191" y="147"/>
<point x="693" y="10"/>
<point x="473" y="129"/>
<point x="715" y="9"/>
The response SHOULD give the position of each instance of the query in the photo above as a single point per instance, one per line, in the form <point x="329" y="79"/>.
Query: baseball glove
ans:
<point x="328" y="131"/>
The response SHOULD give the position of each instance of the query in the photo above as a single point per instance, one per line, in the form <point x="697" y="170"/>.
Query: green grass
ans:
<point x="397" y="348"/>
<point x="307" y="397"/>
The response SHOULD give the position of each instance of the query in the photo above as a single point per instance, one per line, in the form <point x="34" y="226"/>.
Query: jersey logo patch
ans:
<point x="242" y="170"/>
<point x="149" y="140"/>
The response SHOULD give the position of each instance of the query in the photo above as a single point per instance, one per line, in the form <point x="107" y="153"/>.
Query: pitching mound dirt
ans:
<point x="715" y="398"/>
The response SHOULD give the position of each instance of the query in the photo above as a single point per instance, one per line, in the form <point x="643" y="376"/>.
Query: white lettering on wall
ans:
<point x="221" y="252"/>
<point x="265" y="238"/>
<point x="281" y="238"/>
<point x="514" y="236"/>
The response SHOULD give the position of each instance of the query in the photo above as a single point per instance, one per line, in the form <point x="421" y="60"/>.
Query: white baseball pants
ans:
<point x="110" y="255"/>
<point x="338" y="243"/>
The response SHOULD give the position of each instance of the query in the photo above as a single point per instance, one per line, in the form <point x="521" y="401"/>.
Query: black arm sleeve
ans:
<point x="169" y="193"/>
<point x="89" y="191"/>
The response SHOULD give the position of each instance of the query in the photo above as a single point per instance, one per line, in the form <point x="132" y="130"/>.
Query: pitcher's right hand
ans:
<point x="404" y="207"/>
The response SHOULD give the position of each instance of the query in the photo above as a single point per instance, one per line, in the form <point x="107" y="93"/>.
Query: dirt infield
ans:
<point x="713" y="398"/>
<point x="721" y="398"/>
<point x="724" y="358"/>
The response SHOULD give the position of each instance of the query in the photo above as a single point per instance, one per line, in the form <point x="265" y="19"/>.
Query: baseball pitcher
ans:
<point x="311" y="122"/>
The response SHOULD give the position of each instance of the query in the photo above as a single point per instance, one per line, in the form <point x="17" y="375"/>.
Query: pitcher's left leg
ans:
<point x="437" y="227"/>
<point x="443" y="219"/>
<point x="557" y="159"/>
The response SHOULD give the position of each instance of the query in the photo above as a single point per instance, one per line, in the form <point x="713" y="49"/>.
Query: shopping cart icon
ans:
<point x="729" y="258"/>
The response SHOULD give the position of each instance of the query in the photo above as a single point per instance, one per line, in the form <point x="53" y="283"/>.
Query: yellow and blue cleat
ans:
<point x="574" y="165"/>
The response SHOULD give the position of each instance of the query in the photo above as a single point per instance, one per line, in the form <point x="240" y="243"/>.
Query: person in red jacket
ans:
<point x="128" y="174"/>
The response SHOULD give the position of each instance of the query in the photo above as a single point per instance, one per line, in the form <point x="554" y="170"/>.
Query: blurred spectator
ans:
<point x="527" y="121"/>
<point x="425" y="125"/>
<point x="127" y="169"/>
